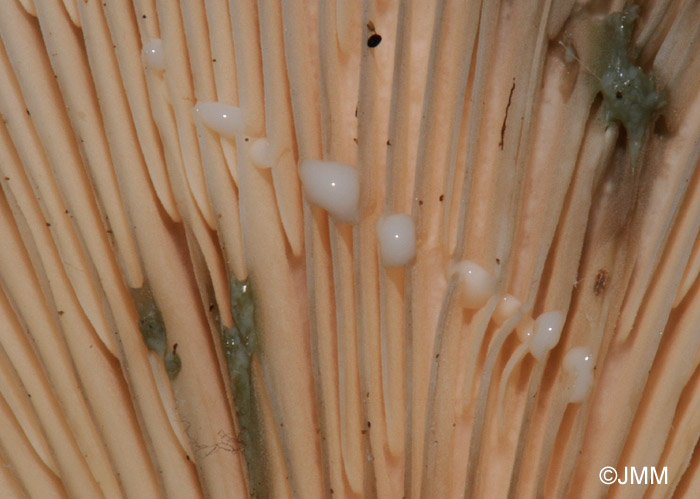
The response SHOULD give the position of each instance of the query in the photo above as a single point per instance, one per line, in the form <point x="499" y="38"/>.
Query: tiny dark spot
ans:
<point x="144" y="17"/>
<point x="7" y="178"/>
<point x="369" y="425"/>
<point x="281" y="425"/>
<point x="437" y="356"/>
<point x="618" y="95"/>
<point x="355" y="140"/>
<point x="174" y="347"/>
<point x="48" y="224"/>
<point x="388" y="142"/>
<point x="355" y="111"/>
<point x="213" y="60"/>
<point x="420" y="202"/>
<point x="211" y="307"/>
<point x="374" y="40"/>
<point x="498" y="261"/>
<point x="367" y="394"/>
<point x="60" y="312"/>
<point x="28" y="113"/>
<point x="370" y="26"/>
<point x="601" y="282"/>
<point x="187" y="456"/>
<point x="454" y="425"/>
<point x="331" y="491"/>
<point x="246" y="139"/>
<point x="442" y="197"/>
<point x="364" y="432"/>
<point x="661" y="127"/>
<point x="109" y="231"/>
<point x="29" y="395"/>
<point x="67" y="212"/>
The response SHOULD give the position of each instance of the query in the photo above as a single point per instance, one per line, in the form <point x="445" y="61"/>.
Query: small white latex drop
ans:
<point x="525" y="328"/>
<point x="579" y="362"/>
<point x="222" y="118"/>
<point x="507" y="307"/>
<point x="153" y="54"/>
<point x="397" y="240"/>
<point x="476" y="284"/>
<point x="546" y="333"/>
<point x="261" y="153"/>
<point x="333" y="186"/>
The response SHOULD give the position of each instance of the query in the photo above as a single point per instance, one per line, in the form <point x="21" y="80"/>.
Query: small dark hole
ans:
<point x="374" y="40"/>
<point x="618" y="94"/>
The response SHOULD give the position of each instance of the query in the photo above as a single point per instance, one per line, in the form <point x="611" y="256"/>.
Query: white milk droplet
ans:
<point x="333" y="186"/>
<point x="525" y="328"/>
<point x="507" y="307"/>
<point x="476" y="285"/>
<point x="397" y="240"/>
<point x="222" y="118"/>
<point x="579" y="362"/>
<point x="569" y="53"/>
<point x="153" y="54"/>
<point x="546" y="333"/>
<point x="261" y="153"/>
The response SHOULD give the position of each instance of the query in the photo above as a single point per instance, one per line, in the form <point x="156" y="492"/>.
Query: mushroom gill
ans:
<point x="286" y="248"/>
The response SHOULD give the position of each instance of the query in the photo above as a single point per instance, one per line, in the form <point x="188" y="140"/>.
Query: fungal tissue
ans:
<point x="579" y="363"/>
<point x="240" y="345"/>
<point x="629" y="94"/>
<point x="476" y="284"/>
<point x="152" y="329"/>
<point x="397" y="240"/>
<point x="222" y="118"/>
<point x="153" y="54"/>
<point x="333" y="186"/>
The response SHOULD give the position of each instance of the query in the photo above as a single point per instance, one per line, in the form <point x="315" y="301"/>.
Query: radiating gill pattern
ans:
<point x="343" y="248"/>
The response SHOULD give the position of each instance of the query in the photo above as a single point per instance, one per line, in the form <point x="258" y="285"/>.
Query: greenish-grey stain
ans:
<point x="629" y="94"/>
<point x="153" y="328"/>
<point x="173" y="364"/>
<point x="239" y="343"/>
